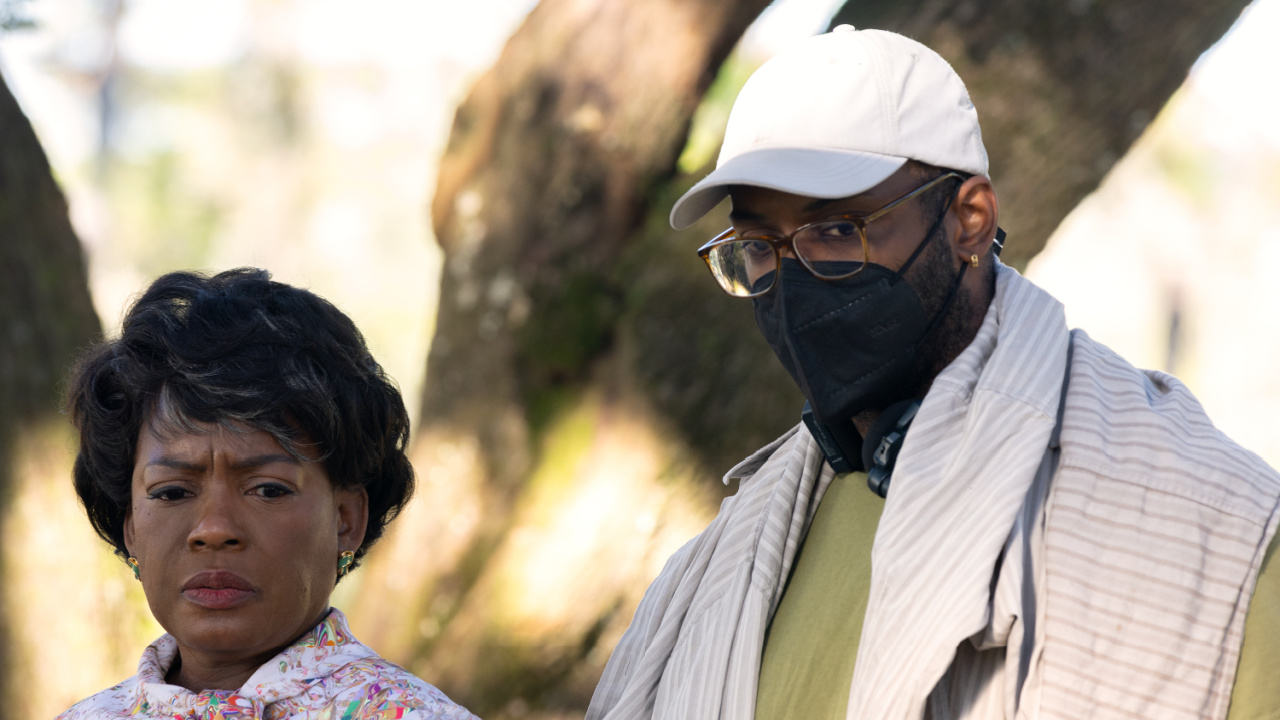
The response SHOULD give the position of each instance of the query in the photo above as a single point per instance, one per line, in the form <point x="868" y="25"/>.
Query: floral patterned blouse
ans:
<point x="326" y="675"/>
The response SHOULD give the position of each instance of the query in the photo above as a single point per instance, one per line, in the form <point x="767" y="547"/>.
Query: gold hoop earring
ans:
<point x="345" y="560"/>
<point x="133" y="565"/>
<point x="973" y="260"/>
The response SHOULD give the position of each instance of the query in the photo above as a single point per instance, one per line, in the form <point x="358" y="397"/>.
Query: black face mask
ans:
<point x="851" y="344"/>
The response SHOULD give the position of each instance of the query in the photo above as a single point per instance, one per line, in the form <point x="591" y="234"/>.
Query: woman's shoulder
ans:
<point x="116" y="701"/>
<point x="373" y="685"/>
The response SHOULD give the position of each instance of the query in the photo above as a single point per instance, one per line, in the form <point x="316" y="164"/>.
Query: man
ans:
<point x="1062" y="536"/>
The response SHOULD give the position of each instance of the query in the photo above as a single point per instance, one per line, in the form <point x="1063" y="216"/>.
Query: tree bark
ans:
<point x="542" y="186"/>
<point x="543" y="182"/>
<point x="1062" y="88"/>
<point x="46" y="315"/>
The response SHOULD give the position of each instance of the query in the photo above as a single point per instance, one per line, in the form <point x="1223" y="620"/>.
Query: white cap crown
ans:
<point x="837" y="114"/>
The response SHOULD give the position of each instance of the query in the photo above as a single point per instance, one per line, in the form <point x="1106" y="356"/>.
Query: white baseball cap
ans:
<point x="838" y="113"/>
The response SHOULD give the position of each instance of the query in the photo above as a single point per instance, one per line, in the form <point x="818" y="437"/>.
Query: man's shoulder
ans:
<point x="775" y="473"/>
<point x="1148" y="426"/>
<point x="1153" y="534"/>
<point x="751" y="465"/>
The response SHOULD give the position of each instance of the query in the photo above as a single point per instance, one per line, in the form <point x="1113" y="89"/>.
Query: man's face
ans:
<point x="891" y="240"/>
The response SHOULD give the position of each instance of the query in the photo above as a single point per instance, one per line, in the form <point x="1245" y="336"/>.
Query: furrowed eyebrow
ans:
<point x="246" y="464"/>
<point x="260" y="460"/>
<point x="175" y="464"/>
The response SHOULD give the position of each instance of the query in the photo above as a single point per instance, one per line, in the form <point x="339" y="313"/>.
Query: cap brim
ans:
<point x="800" y="171"/>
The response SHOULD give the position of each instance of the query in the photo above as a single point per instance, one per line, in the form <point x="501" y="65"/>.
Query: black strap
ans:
<point x="998" y="242"/>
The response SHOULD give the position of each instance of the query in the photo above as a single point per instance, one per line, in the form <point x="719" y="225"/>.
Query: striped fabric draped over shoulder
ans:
<point x="971" y="455"/>
<point x="1116" y="588"/>
<point x="1155" y="530"/>
<point x="693" y="649"/>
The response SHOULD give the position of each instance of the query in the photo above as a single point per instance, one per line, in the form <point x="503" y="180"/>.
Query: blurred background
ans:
<point x="483" y="187"/>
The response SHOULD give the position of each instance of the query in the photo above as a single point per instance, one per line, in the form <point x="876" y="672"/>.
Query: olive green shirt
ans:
<point x="812" y="642"/>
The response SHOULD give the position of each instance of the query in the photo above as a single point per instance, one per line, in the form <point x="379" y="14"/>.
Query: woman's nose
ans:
<point x="216" y="526"/>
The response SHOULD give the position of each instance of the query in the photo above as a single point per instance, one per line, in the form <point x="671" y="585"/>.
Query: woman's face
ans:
<point x="237" y="541"/>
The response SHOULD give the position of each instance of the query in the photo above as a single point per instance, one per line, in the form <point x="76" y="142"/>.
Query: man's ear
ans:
<point x="977" y="213"/>
<point x="353" y="517"/>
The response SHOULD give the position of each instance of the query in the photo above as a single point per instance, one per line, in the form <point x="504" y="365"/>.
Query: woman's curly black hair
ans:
<point x="238" y="350"/>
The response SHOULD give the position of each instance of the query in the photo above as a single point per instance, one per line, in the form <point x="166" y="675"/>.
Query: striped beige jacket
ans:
<point x="1115" y="587"/>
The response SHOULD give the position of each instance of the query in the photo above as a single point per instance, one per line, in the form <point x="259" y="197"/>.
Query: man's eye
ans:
<point x="757" y="249"/>
<point x="837" y="230"/>
<point x="271" y="490"/>
<point x="169" y="494"/>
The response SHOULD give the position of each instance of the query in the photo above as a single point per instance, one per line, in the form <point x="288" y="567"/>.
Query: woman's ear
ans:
<point x="353" y="517"/>
<point x="977" y="212"/>
<point x="128" y="527"/>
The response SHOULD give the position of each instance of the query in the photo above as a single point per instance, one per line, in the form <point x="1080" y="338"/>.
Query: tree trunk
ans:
<point x="543" y="183"/>
<point x="1062" y="88"/>
<point x="46" y="315"/>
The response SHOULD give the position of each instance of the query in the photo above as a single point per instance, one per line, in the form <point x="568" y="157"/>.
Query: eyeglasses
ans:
<point x="833" y="249"/>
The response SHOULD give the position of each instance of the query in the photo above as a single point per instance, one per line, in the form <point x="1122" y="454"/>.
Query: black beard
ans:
<point x="932" y="276"/>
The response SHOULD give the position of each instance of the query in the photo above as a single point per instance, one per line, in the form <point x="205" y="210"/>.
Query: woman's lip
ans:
<point x="217" y="589"/>
<point x="217" y="580"/>
<point x="217" y="599"/>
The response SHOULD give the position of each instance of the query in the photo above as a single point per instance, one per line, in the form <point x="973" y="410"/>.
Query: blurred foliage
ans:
<point x="707" y="127"/>
<point x="14" y="17"/>
<point x="1190" y="169"/>
<point x="157" y="209"/>
<point x="171" y="201"/>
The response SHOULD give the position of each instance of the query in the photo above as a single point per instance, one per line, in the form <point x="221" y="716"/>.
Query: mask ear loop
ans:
<point x="955" y="285"/>
<point x="951" y="295"/>
<point x="942" y="311"/>
<point x="927" y="237"/>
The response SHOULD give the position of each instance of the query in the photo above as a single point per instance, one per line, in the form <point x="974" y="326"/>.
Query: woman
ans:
<point x="241" y="450"/>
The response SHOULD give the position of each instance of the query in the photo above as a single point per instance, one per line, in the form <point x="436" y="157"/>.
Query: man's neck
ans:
<point x="948" y="348"/>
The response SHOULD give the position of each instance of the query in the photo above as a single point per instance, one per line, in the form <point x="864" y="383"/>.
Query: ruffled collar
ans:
<point x="315" y="656"/>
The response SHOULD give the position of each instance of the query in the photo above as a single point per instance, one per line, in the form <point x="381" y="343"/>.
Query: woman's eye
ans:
<point x="271" y="490"/>
<point x="169" y="493"/>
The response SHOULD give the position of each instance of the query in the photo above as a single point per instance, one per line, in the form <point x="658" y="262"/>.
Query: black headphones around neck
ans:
<point x="883" y="443"/>
<point x="847" y="451"/>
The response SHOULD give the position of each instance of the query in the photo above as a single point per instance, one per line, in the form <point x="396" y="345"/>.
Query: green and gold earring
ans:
<point x="344" y="562"/>
<point x="133" y="565"/>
